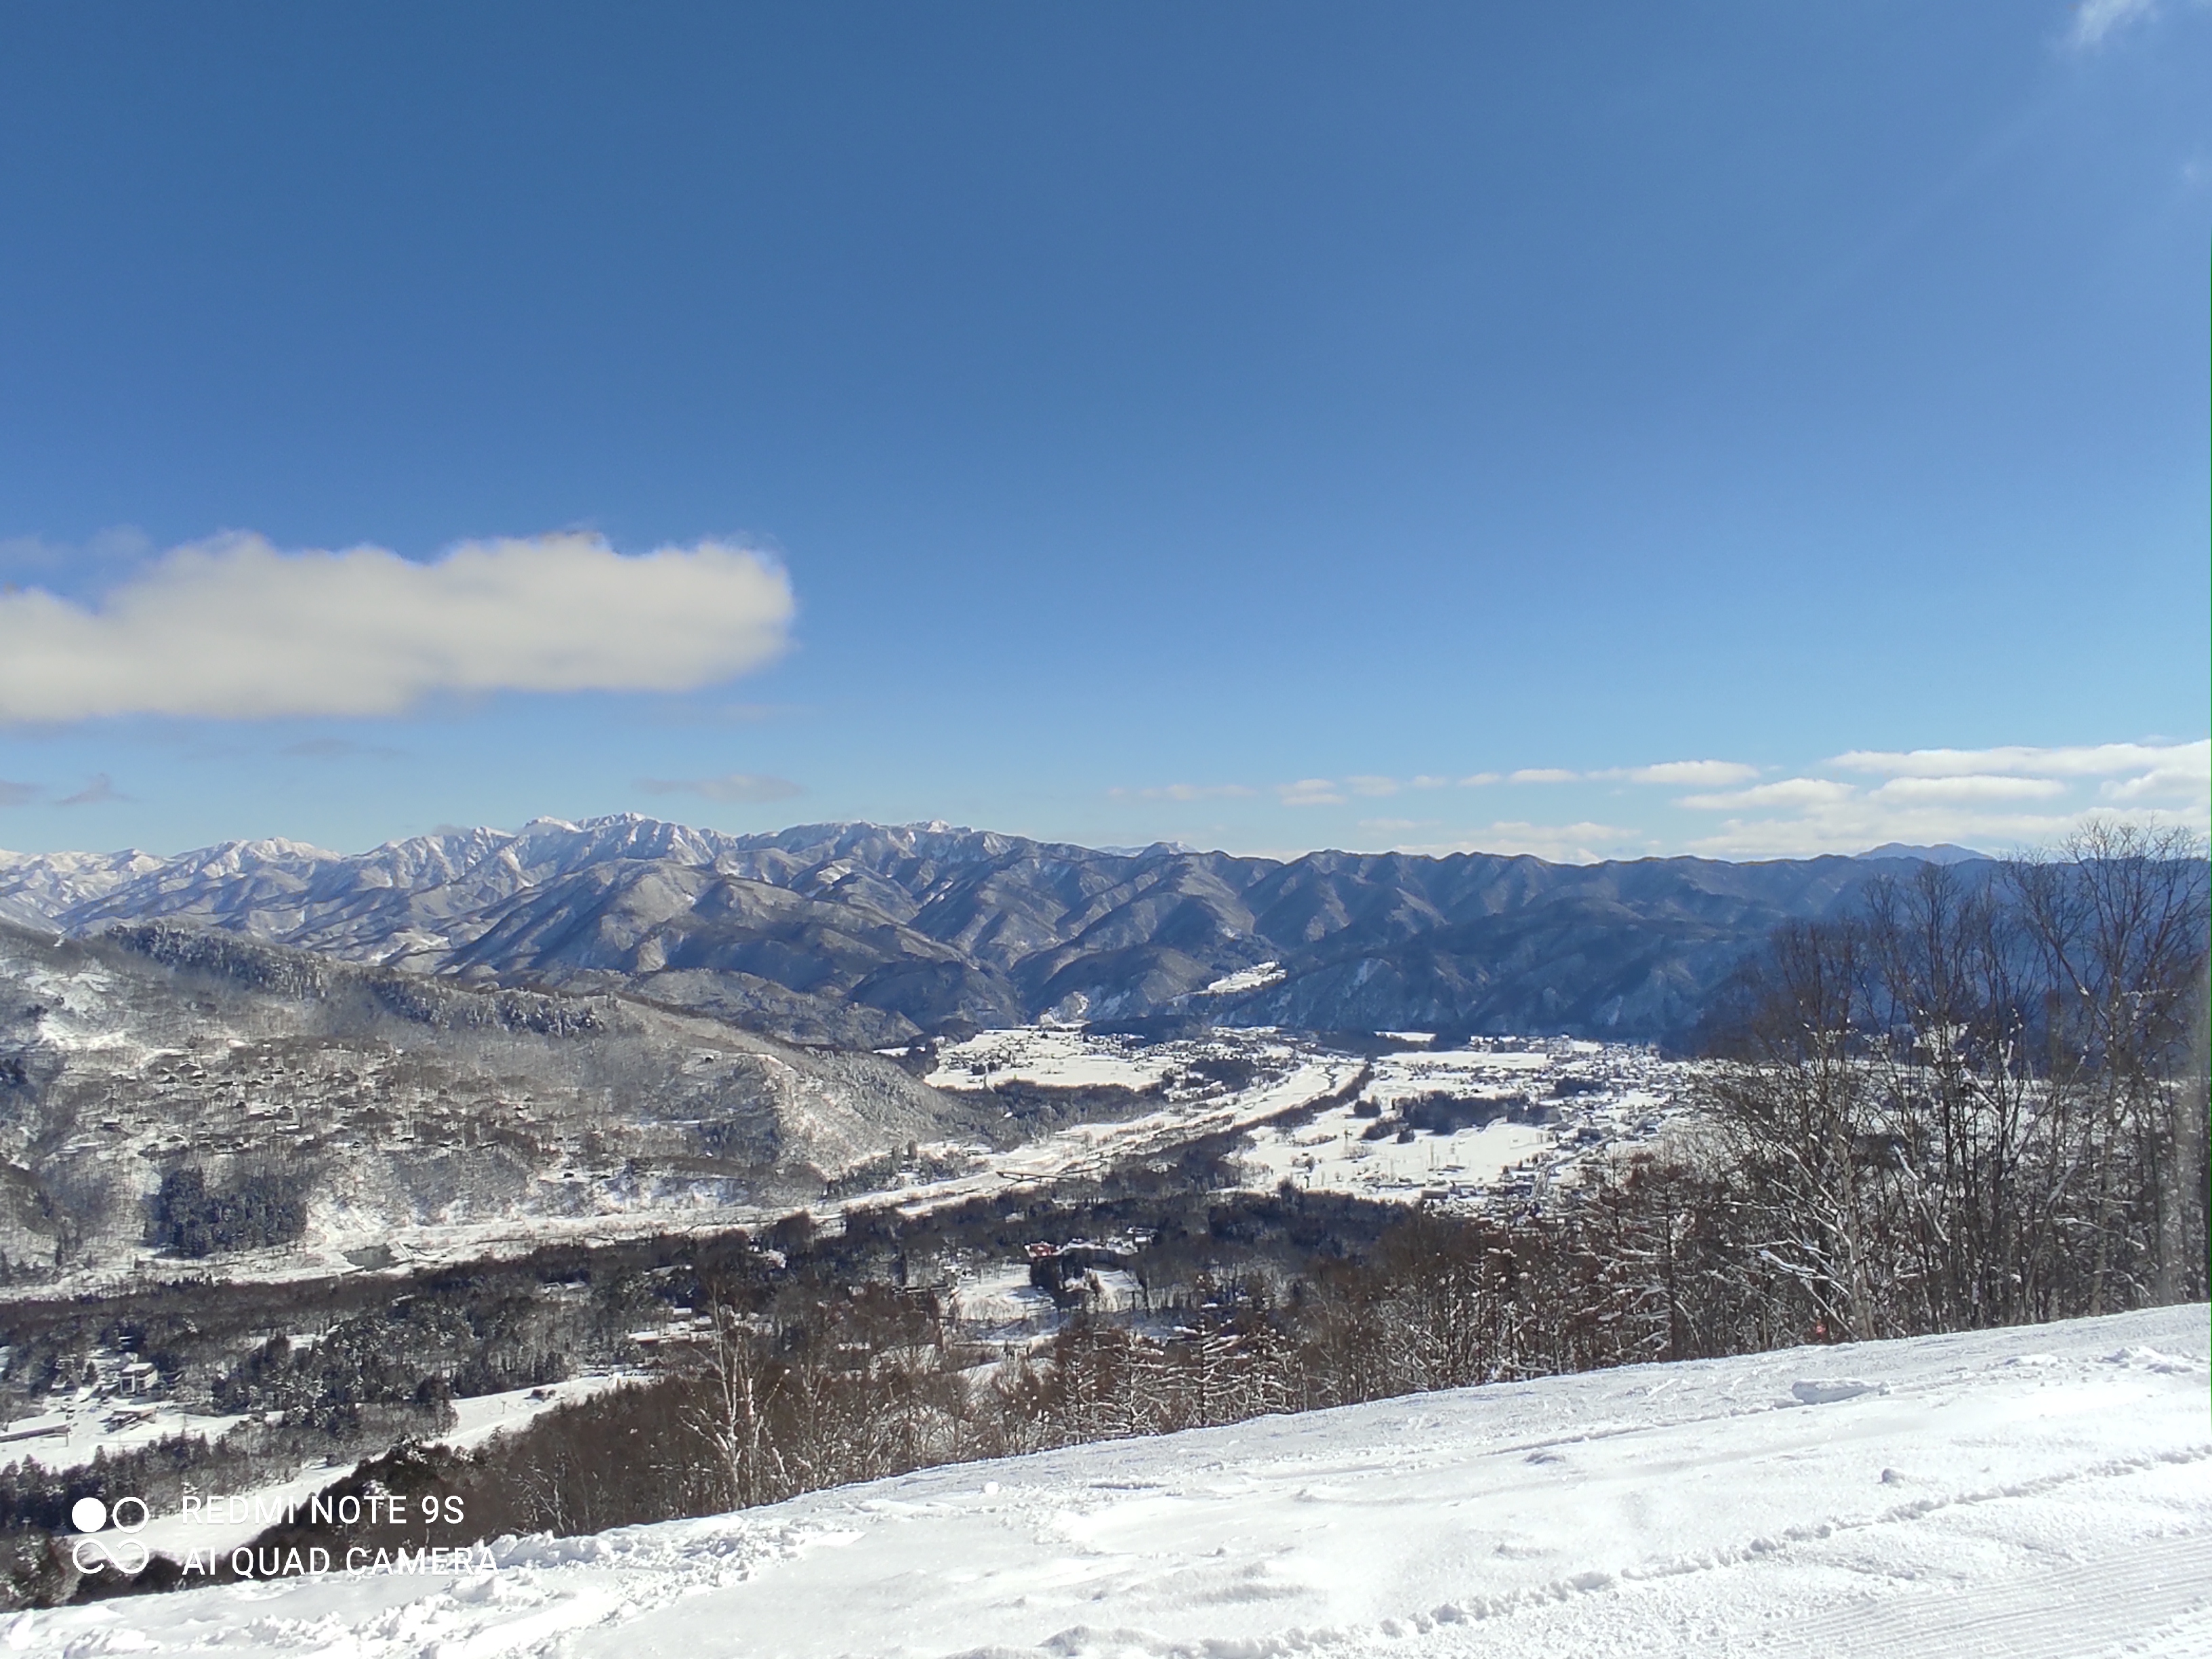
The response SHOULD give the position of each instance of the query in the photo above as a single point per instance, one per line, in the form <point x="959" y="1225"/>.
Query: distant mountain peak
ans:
<point x="1943" y="852"/>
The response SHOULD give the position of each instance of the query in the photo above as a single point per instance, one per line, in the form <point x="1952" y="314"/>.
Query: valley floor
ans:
<point x="2039" y="1491"/>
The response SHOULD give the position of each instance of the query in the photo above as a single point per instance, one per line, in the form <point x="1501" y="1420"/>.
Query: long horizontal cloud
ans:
<point x="2089" y="761"/>
<point x="1972" y="786"/>
<point x="1687" y="774"/>
<point x="1783" y="792"/>
<point x="235" y="629"/>
<point x="1994" y="799"/>
<point x="1690" y="774"/>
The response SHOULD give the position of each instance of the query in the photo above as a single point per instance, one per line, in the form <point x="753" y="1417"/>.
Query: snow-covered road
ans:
<point x="2043" y="1492"/>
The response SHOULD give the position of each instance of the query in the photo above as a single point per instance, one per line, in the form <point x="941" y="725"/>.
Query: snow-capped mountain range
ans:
<point x="864" y="935"/>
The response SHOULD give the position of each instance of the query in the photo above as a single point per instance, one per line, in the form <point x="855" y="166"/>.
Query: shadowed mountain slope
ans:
<point x="865" y="935"/>
<point x="330" y="1102"/>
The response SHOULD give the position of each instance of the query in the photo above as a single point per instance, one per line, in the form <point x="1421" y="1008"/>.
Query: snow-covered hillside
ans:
<point x="392" y="1104"/>
<point x="2044" y="1491"/>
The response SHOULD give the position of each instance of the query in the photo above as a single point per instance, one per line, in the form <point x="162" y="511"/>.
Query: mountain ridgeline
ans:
<point x="860" y="935"/>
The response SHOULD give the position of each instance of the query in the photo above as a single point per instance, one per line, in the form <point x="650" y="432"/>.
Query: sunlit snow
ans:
<point x="2041" y="1490"/>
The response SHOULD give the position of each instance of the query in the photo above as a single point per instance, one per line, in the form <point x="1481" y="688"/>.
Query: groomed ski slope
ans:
<point x="2037" y="1492"/>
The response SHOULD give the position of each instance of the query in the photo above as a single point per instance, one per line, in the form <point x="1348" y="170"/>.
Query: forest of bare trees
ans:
<point x="1980" y="1102"/>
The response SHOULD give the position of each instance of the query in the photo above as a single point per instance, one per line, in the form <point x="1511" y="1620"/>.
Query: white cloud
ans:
<point x="1784" y="792"/>
<point x="2184" y="782"/>
<point x="1974" y="787"/>
<point x="234" y="628"/>
<point x="1707" y="774"/>
<point x="2099" y="760"/>
<point x="730" y="786"/>
<point x="1815" y="834"/>
<point x="1710" y="773"/>
<point x="2094" y="20"/>
<point x="1996" y="798"/>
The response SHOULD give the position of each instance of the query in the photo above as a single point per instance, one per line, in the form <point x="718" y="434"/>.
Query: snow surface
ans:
<point x="84" y="1424"/>
<point x="1329" y="1156"/>
<point x="1256" y="978"/>
<point x="477" y="1418"/>
<point x="1051" y="1056"/>
<point x="2041" y="1491"/>
<point x="1632" y="1094"/>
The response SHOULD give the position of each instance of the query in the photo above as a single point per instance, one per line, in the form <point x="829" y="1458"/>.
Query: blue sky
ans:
<point x="1264" y="426"/>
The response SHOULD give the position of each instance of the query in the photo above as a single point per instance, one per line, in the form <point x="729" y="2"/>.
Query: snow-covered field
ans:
<point x="78" y="1427"/>
<point x="1619" y="1096"/>
<point x="1056" y="1057"/>
<point x="2038" y="1491"/>
<point x="1190" y="1088"/>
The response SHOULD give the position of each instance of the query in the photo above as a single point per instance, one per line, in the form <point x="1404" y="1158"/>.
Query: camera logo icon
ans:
<point x="107" y="1540"/>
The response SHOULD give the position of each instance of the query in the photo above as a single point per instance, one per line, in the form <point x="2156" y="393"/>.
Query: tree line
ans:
<point x="1980" y="1101"/>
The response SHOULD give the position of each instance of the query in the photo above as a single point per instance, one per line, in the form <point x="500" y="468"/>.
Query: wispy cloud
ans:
<point x="1311" y="792"/>
<point x="1993" y="799"/>
<point x="730" y="786"/>
<point x="2182" y="781"/>
<point x="235" y="629"/>
<point x="2097" y="760"/>
<point x="1973" y="786"/>
<point x="1332" y="792"/>
<point x="1783" y="792"/>
<point x="19" y="794"/>
<point x="2096" y="20"/>
<point x="1186" y="791"/>
<point x="1688" y="775"/>
<point x="104" y="559"/>
<point x="101" y="790"/>
<point x="1685" y="774"/>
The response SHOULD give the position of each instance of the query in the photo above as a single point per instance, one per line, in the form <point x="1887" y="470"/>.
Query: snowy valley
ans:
<point x="850" y="1187"/>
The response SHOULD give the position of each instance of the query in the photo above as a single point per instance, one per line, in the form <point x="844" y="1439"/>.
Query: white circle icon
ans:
<point x="89" y="1515"/>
